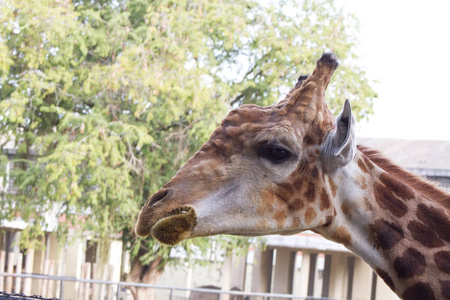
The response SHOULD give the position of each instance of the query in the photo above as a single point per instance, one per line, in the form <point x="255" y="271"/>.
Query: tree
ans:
<point x="103" y="101"/>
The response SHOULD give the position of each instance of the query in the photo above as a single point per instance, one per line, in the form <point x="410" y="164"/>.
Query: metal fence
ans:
<point x="120" y="285"/>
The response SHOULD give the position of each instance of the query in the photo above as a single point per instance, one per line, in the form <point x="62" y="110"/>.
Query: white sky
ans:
<point x="405" y="46"/>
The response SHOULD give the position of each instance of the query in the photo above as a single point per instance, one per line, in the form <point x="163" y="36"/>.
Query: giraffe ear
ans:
<point x="340" y="145"/>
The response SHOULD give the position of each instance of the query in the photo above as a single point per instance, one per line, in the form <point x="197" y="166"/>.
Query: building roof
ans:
<point x="427" y="158"/>
<point x="304" y="240"/>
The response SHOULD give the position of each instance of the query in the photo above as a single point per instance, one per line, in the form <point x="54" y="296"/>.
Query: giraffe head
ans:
<point x="263" y="170"/>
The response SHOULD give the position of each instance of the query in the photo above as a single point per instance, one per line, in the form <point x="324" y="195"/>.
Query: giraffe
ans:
<point x="291" y="167"/>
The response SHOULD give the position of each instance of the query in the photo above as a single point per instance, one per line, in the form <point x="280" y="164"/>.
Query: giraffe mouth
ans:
<point x="175" y="226"/>
<point x="178" y="211"/>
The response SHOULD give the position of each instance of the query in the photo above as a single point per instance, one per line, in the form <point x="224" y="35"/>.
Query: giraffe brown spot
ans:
<point x="361" y="180"/>
<point x="436" y="219"/>
<point x="315" y="173"/>
<point x="362" y="166"/>
<point x="341" y="235"/>
<point x="445" y="289"/>
<point x="310" y="215"/>
<point x="419" y="291"/>
<point x="333" y="187"/>
<point x="385" y="276"/>
<point x="386" y="234"/>
<point x="424" y="235"/>
<point x="396" y="186"/>
<point x="285" y="191"/>
<point x="442" y="260"/>
<point x="346" y="208"/>
<point x="410" y="263"/>
<point x="308" y="140"/>
<point x="266" y="205"/>
<point x="386" y="200"/>
<point x="296" y="222"/>
<point x="296" y="204"/>
<point x="325" y="202"/>
<point x="316" y="130"/>
<point x="280" y="217"/>
<point x="310" y="194"/>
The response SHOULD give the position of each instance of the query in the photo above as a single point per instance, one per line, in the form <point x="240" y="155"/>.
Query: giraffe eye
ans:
<point x="275" y="154"/>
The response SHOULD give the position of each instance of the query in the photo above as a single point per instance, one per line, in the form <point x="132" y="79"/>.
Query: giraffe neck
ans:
<point x="398" y="223"/>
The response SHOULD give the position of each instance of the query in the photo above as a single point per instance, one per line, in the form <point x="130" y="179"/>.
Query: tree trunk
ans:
<point x="144" y="274"/>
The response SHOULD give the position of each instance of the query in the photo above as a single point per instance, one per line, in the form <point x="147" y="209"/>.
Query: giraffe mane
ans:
<point x="428" y="189"/>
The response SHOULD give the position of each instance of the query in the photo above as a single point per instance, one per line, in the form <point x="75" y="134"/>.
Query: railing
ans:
<point x="122" y="284"/>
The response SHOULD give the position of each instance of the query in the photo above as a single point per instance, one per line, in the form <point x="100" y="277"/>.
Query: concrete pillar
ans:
<point x="73" y="258"/>
<point x="250" y="260"/>
<point x="2" y="242"/>
<point x="38" y="268"/>
<point x="326" y="276"/>
<point x="300" y="286"/>
<point x="115" y="251"/>
<point x="29" y="262"/>
<point x="52" y="247"/>
<point x="338" y="276"/>
<point x="312" y="282"/>
<point x="238" y="269"/>
<point x="283" y="271"/>
<point x="262" y="271"/>
<point x="362" y="280"/>
<point x="189" y="280"/>
<point x="226" y="278"/>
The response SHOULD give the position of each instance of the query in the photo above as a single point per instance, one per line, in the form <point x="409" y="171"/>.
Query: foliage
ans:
<point x="102" y="101"/>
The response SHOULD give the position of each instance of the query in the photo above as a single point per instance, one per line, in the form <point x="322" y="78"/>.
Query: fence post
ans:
<point x="44" y="282"/>
<point x="103" y="286"/>
<point x="110" y="274"/>
<point x="118" y="291"/>
<point x="29" y="260"/>
<point x="9" y="280"/>
<point x="2" y="267"/>
<point x="61" y="289"/>
<point x="87" y="275"/>
<point x="50" y="284"/>
<point x="18" y="271"/>
<point x="94" y="294"/>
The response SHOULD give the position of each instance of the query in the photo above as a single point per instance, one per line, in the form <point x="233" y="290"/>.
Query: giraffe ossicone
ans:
<point x="291" y="167"/>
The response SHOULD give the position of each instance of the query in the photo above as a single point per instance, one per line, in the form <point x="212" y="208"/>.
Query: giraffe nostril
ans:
<point x="160" y="195"/>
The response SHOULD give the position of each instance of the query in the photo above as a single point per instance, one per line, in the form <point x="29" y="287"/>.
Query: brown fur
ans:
<point x="385" y="276"/>
<point x="411" y="263"/>
<point x="442" y="260"/>
<point x="310" y="215"/>
<point x="341" y="235"/>
<point x="419" y="291"/>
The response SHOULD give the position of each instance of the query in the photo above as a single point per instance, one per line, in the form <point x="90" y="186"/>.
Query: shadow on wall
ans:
<point x="213" y="296"/>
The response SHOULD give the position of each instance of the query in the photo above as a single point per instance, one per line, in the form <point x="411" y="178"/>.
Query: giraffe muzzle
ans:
<point x="175" y="226"/>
